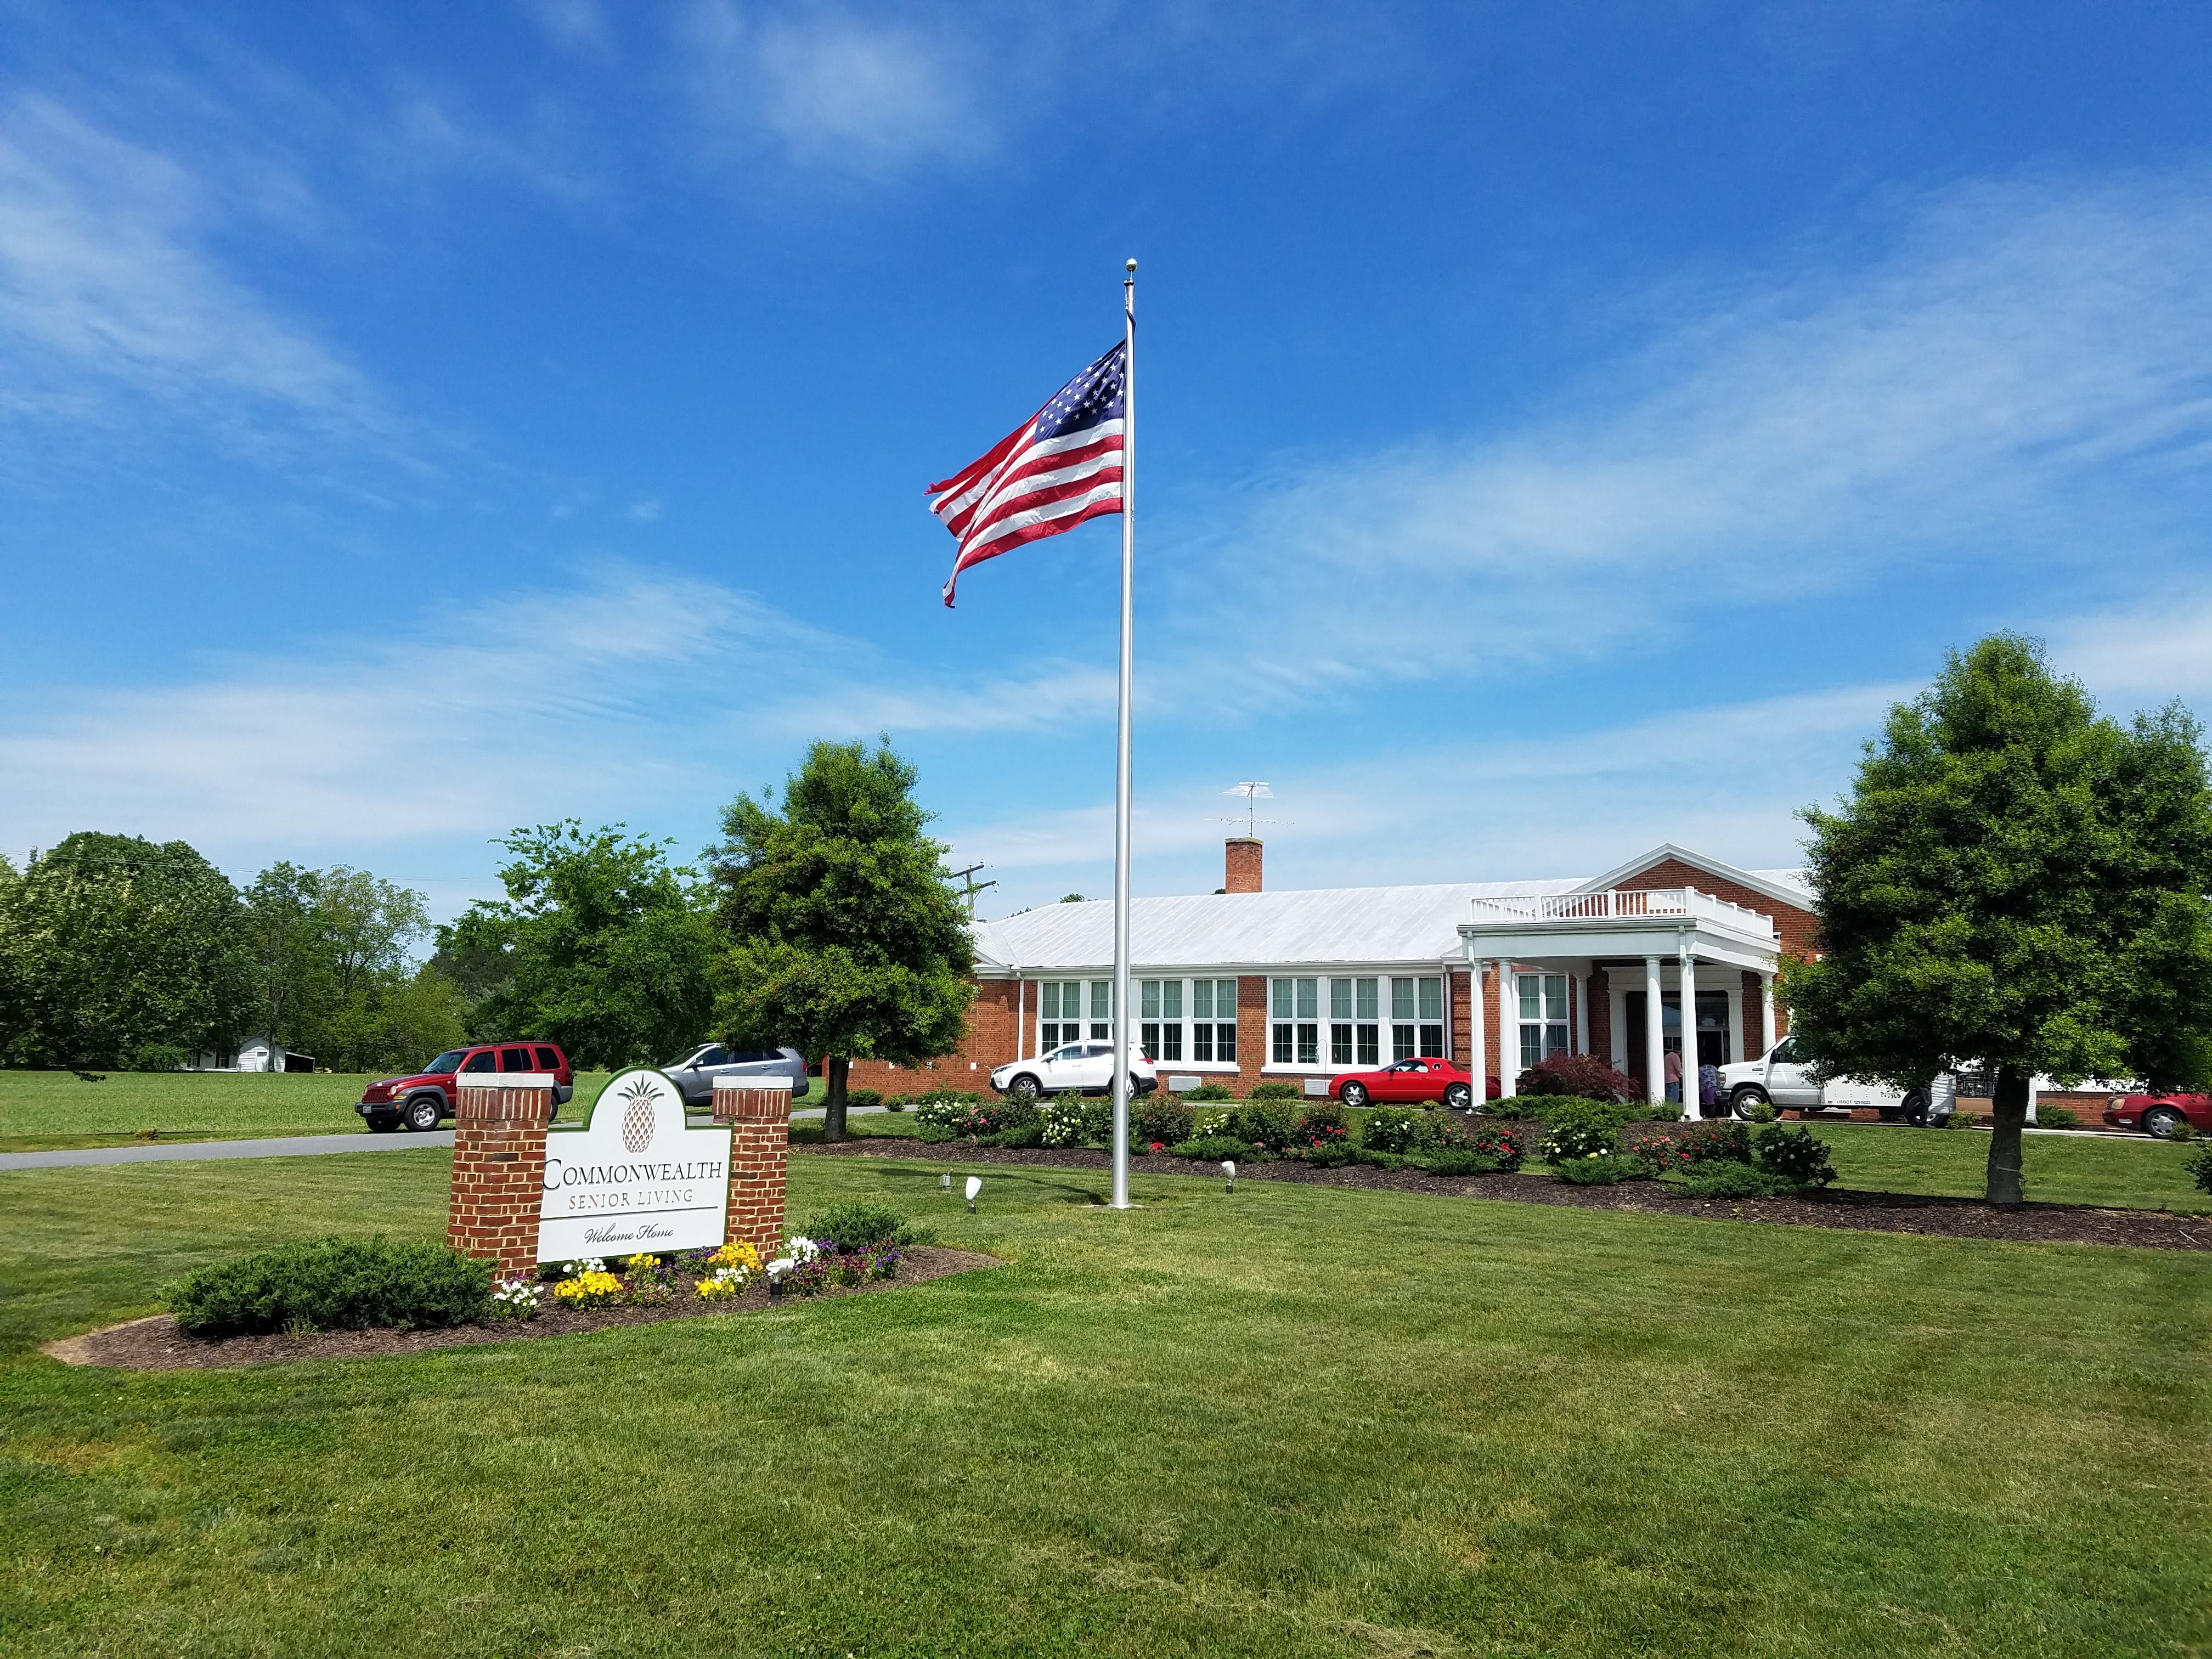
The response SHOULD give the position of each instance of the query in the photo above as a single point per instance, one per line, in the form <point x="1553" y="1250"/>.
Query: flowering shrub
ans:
<point x="647" y="1281"/>
<point x="738" y="1253"/>
<point x="589" y="1289"/>
<point x="1158" y="1117"/>
<point x="1601" y="1169"/>
<point x="1067" y="1120"/>
<point x="1580" y="1134"/>
<point x="1796" y="1156"/>
<point x="1704" y="1143"/>
<point x="1390" y="1129"/>
<point x="723" y="1285"/>
<point x="515" y="1298"/>
<point x="1585" y="1075"/>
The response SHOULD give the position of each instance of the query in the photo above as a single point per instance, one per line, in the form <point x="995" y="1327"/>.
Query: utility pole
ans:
<point x="971" y="886"/>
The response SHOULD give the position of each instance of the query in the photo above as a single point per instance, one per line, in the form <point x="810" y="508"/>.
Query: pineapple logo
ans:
<point x="638" y="1118"/>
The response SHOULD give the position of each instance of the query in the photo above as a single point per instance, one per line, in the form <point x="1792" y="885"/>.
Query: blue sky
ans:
<point x="1565" y="428"/>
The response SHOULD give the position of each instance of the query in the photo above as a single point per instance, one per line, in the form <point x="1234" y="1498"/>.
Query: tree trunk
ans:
<point x="833" y="1071"/>
<point x="2008" y="1113"/>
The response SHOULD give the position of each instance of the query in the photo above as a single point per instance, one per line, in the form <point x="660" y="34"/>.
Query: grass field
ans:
<point x="1295" y="1421"/>
<point x="39" y="1109"/>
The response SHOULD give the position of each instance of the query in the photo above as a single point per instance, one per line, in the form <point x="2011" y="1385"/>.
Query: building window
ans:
<point x="1417" y="1018"/>
<point x="1543" y="1016"/>
<point x="1213" y="1021"/>
<point x="1353" y="1030"/>
<point x="1059" y="1011"/>
<point x="1296" y="1015"/>
<point x="1159" y="1016"/>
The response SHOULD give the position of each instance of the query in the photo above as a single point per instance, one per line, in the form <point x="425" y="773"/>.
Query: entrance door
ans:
<point x="1670" y="1033"/>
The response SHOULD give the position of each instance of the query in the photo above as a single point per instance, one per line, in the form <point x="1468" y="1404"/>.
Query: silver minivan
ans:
<point x="695" y="1074"/>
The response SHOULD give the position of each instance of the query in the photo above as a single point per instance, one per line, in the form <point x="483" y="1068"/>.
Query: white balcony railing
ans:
<point x="1540" y="909"/>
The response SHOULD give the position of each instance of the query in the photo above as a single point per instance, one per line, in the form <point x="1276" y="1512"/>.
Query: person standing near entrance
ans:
<point x="1674" y="1074"/>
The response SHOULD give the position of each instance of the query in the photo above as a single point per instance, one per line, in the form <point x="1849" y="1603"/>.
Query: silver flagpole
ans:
<point x="1123" y="1026"/>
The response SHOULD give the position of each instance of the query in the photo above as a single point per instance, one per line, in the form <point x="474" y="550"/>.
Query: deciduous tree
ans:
<point x="2017" y="882"/>
<point x="838" y="934"/>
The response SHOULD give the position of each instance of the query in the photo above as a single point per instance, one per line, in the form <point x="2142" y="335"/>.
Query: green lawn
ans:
<point x="1293" y="1421"/>
<point x="2136" y="1173"/>
<point x="57" y="1109"/>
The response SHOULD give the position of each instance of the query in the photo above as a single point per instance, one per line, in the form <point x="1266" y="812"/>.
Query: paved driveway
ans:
<point x="191" y="1151"/>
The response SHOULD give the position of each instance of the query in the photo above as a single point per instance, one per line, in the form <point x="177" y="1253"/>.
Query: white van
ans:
<point x="1779" y="1076"/>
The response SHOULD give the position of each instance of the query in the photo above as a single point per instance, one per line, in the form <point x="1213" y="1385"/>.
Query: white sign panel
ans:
<point x="634" y="1177"/>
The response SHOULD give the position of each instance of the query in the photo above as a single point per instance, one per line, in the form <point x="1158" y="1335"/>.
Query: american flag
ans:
<point x="1056" y="469"/>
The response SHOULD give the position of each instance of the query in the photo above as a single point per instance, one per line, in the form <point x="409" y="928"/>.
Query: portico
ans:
<point x="1647" y="946"/>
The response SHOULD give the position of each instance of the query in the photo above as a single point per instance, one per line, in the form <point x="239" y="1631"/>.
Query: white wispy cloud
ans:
<point x="107" y="290"/>
<point x="2023" y="375"/>
<point x="863" y="90"/>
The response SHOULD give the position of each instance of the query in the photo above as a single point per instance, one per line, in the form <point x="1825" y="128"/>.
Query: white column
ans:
<point x="1578" y="996"/>
<point x="1477" y="1063"/>
<point x="1767" y="1038"/>
<point x="1689" y="971"/>
<point x="1509" y="1029"/>
<point x="1739" y="1011"/>
<point x="1654" y="1045"/>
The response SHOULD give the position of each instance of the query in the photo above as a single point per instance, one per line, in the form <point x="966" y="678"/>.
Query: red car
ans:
<point x="2157" y="1115"/>
<point x="1423" y="1080"/>
<point x="432" y="1093"/>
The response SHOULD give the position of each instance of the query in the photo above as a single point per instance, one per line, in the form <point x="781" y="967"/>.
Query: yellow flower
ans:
<point x="736" y="1254"/>
<point x="588" y="1291"/>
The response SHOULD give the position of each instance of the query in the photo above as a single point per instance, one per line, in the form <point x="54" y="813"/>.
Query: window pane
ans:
<point x="1555" y="1039"/>
<point x="1367" y="1004"/>
<point x="1308" y="998"/>
<point x="1339" y="1043"/>
<point x="1224" y="1042"/>
<point x="1371" y="1046"/>
<point x="1224" y="999"/>
<point x="1171" y="1040"/>
<point x="1309" y="1045"/>
<point x="1049" y="1005"/>
<point x="1099" y="1027"/>
<point x="1532" y="1044"/>
<point x="1149" y="1037"/>
<point x="1532" y="992"/>
<point x="1101" y="998"/>
<point x="1555" y="996"/>
<point x="1171" y="999"/>
<point x="1283" y="1004"/>
<point x="1401" y="1042"/>
<point x="1280" y="1049"/>
<point x="1433" y="1040"/>
<point x="1432" y="998"/>
<point x="1339" y="998"/>
<point x="1201" y="999"/>
<point x="1401" y="998"/>
<point x="1201" y="1040"/>
<point x="1148" y="999"/>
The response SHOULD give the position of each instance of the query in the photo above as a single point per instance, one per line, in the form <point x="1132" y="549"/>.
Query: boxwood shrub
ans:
<point x="333" y="1285"/>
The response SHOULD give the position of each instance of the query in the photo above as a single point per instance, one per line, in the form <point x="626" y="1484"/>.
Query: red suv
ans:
<point x="419" y="1101"/>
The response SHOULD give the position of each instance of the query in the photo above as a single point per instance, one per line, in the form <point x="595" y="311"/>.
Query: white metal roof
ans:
<point x="1266" y="930"/>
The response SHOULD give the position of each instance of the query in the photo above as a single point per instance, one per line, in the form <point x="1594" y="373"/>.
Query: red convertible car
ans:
<point x="1423" y="1080"/>
<point x="2157" y="1115"/>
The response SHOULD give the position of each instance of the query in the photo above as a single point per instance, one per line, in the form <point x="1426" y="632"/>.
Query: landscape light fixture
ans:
<point x="975" y="1185"/>
<point x="944" y="1181"/>
<point x="777" y="1270"/>
<point x="1229" y="1168"/>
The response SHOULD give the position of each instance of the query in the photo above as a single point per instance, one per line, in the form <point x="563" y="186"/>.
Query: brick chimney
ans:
<point x="1243" y="865"/>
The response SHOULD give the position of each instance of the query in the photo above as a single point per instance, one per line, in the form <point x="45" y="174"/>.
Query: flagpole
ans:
<point x="1123" y="1026"/>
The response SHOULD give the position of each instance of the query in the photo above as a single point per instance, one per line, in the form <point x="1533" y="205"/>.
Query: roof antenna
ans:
<point x="1251" y="792"/>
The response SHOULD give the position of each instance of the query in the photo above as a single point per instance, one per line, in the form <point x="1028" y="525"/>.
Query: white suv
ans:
<point x="1085" y="1067"/>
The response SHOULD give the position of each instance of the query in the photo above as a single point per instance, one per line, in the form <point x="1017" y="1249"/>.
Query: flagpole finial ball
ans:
<point x="1131" y="266"/>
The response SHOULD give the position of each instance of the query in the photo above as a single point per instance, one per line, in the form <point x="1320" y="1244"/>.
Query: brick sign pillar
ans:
<point x="759" y="1117"/>
<point x="499" y="1170"/>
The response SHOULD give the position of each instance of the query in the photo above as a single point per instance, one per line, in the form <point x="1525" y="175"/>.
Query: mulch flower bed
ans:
<point x="156" y="1344"/>
<point x="1886" y="1212"/>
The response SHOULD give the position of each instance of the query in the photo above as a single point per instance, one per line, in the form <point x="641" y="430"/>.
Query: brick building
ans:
<point x="1244" y="985"/>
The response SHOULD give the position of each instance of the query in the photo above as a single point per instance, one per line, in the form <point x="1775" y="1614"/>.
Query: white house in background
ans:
<point x="253" y="1054"/>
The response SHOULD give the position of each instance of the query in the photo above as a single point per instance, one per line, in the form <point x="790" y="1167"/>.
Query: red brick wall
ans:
<point x="997" y="1032"/>
<point x="760" y="1136"/>
<point x="499" y="1176"/>
<point x="1241" y="865"/>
